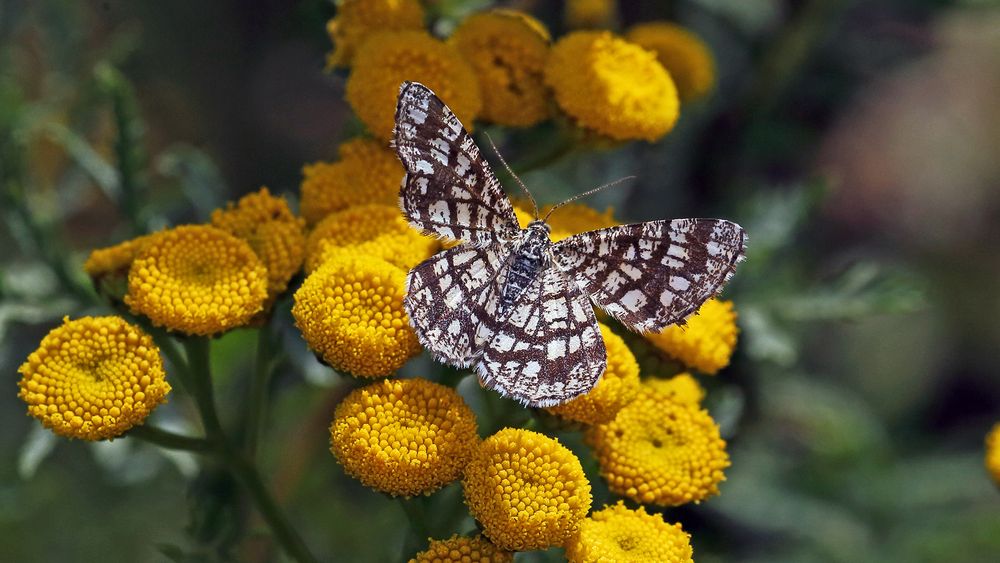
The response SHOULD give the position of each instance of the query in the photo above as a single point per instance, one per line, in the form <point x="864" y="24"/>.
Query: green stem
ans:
<point x="200" y="374"/>
<point x="257" y="403"/>
<point x="170" y="440"/>
<point x="419" y="531"/>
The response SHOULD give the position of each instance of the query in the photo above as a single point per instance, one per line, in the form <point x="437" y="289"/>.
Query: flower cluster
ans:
<point x="617" y="533"/>
<point x="460" y="549"/>
<point x="376" y="230"/>
<point x="358" y="19"/>
<point x="706" y="341"/>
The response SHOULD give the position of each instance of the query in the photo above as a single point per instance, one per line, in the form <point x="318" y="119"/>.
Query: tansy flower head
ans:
<point x="507" y="51"/>
<point x="526" y="490"/>
<point x="617" y="387"/>
<point x="350" y="311"/>
<point x="403" y="436"/>
<point x="658" y="451"/>
<point x="93" y="378"/>
<point x="197" y="279"/>
<point x="386" y="60"/>
<point x="611" y="86"/>
<point x="587" y="14"/>
<point x="367" y="172"/>
<point x="357" y="19"/>
<point x="681" y="388"/>
<point x="619" y="534"/>
<point x="460" y="549"/>
<point x="376" y="230"/>
<point x="108" y="267"/>
<point x="993" y="453"/>
<point x="706" y="341"/>
<point x="682" y="53"/>
<point x="274" y="233"/>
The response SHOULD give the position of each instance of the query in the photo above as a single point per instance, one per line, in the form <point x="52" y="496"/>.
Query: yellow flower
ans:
<point x="681" y="388"/>
<point x="527" y="490"/>
<point x="108" y="267"/>
<point x="706" y="341"/>
<point x="619" y="534"/>
<point x="197" y="279"/>
<point x="685" y="56"/>
<point x="459" y="549"/>
<point x="404" y="437"/>
<point x="611" y="86"/>
<point x="617" y="387"/>
<point x="661" y="452"/>
<point x="575" y="218"/>
<point x="507" y="51"/>
<point x="386" y="60"/>
<point x="993" y="453"/>
<point x="350" y="311"/>
<point x="357" y="19"/>
<point x="274" y="233"/>
<point x="376" y="230"/>
<point x="367" y="172"/>
<point x="581" y="14"/>
<point x="93" y="378"/>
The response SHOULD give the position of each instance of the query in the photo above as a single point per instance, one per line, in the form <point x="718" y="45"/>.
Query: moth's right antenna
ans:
<point x="586" y="193"/>
<point x="511" y="172"/>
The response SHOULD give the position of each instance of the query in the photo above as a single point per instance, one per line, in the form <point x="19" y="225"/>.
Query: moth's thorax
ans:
<point x="535" y="241"/>
<point x="532" y="253"/>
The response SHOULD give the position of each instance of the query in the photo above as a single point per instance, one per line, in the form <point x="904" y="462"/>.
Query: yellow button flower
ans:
<point x="507" y="51"/>
<point x="350" y="311"/>
<point x="611" y="86"/>
<point x="197" y="279"/>
<point x="274" y="233"/>
<point x="460" y="549"/>
<point x="685" y="56"/>
<point x="706" y="341"/>
<point x="386" y="60"/>
<point x="661" y="452"/>
<point x="681" y="388"/>
<point x="403" y="437"/>
<point x="108" y="267"/>
<point x="617" y="387"/>
<point x="993" y="453"/>
<point x="619" y="534"/>
<point x="375" y="230"/>
<point x="367" y="172"/>
<point x="357" y="19"/>
<point x="527" y="490"/>
<point x="587" y="14"/>
<point x="93" y="378"/>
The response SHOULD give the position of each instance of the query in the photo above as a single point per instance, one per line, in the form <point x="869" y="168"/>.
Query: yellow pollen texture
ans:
<point x="660" y="452"/>
<point x="350" y="311"/>
<point x="115" y="259"/>
<point x="459" y="549"/>
<point x="197" y="279"/>
<point x="527" y="490"/>
<point x="706" y="341"/>
<point x="93" y="378"/>
<point x="681" y="388"/>
<point x="622" y="535"/>
<point x="685" y="56"/>
<point x="358" y="19"/>
<point x="404" y="437"/>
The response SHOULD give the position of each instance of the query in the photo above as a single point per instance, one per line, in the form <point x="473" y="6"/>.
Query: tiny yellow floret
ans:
<point x="527" y="490"/>
<point x="375" y="230"/>
<point x="197" y="279"/>
<point x="114" y="260"/>
<point x="681" y="388"/>
<point x="350" y="312"/>
<point x="685" y="56"/>
<point x="993" y="453"/>
<point x="461" y="549"/>
<point x="93" y="378"/>
<point x="358" y="19"/>
<point x="388" y="59"/>
<point x="622" y="535"/>
<point x="706" y="341"/>
<point x="611" y="86"/>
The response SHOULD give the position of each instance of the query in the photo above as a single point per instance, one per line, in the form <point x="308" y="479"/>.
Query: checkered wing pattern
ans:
<point x="652" y="275"/>
<point x="449" y="189"/>
<point x="547" y="348"/>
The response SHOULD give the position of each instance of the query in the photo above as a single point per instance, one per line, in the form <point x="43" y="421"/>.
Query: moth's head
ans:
<point x="539" y="225"/>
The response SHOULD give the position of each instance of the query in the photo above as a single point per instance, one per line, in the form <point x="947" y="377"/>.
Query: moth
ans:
<point x="512" y="304"/>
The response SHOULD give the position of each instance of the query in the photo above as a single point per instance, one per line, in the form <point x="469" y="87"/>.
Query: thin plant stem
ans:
<point x="170" y="440"/>
<point x="200" y="378"/>
<point x="419" y="531"/>
<point x="257" y="403"/>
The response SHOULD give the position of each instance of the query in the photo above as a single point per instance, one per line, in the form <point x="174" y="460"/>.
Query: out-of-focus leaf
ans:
<point x="764" y="340"/>
<point x="774" y="217"/>
<point x="84" y="155"/>
<point x="865" y="288"/>
<point x="199" y="178"/>
<point x="39" y="443"/>
<point x="128" y="461"/>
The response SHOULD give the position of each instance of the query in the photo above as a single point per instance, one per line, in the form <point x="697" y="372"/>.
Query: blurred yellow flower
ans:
<point x="93" y="378"/>
<point x="681" y="388"/>
<point x="617" y="387"/>
<point x="585" y="14"/>
<point x="367" y="172"/>
<point x="274" y="233"/>
<point x="114" y="260"/>
<point x="460" y="549"/>
<point x="685" y="56"/>
<point x="404" y="437"/>
<point x="507" y="51"/>
<point x="622" y="535"/>
<point x="197" y="279"/>
<point x="357" y="19"/>
<point x="386" y="60"/>
<point x="706" y="341"/>
<point x="527" y="490"/>
<point x="376" y="230"/>
<point x="350" y="312"/>
<point x="993" y="453"/>
<point x="661" y="452"/>
<point x="575" y="218"/>
<point x="611" y="86"/>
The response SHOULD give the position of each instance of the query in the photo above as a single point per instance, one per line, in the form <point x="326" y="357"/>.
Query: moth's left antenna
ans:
<point x="511" y="172"/>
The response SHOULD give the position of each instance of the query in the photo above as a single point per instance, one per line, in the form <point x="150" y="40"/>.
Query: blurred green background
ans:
<point x="857" y="141"/>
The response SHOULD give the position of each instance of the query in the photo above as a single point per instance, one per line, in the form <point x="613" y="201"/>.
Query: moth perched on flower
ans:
<point x="509" y="301"/>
